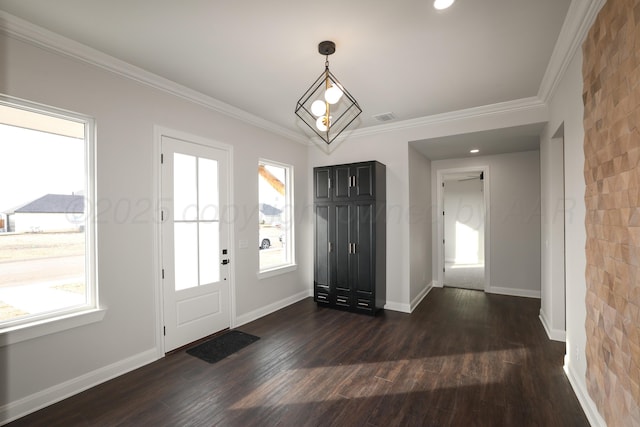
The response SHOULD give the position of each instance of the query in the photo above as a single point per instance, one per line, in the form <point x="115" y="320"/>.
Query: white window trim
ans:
<point x="291" y="266"/>
<point x="68" y="318"/>
<point x="50" y="325"/>
<point x="276" y="271"/>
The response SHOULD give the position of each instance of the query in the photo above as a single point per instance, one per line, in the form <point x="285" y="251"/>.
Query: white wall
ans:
<point x="126" y="112"/>
<point x="566" y="109"/>
<point x="420" y="217"/>
<point x="464" y="204"/>
<point x="514" y="228"/>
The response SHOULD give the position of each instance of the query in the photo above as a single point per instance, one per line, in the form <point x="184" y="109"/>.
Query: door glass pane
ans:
<point x="186" y="254"/>
<point x="208" y="189"/>
<point x="184" y="187"/>
<point x="209" y="252"/>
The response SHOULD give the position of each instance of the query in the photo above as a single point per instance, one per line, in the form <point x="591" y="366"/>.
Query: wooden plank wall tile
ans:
<point x="611" y="94"/>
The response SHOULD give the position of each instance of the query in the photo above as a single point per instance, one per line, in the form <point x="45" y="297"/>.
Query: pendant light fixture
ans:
<point x="327" y="107"/>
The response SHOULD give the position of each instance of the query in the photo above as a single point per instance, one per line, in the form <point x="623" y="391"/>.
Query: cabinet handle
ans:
<point x="363" y="304"/>
<point x="330" y="247"/>
<point x="329" y="182"/>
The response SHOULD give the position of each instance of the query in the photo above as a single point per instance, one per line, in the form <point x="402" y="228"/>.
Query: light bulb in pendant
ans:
<point x="333" y="94"/>
<point x="318" y="108"/>
<point x="322" y="124"/>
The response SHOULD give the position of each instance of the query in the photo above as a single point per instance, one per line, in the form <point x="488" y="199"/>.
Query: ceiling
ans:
<point x="495" y="141"/>
<point x="402" y="57"/>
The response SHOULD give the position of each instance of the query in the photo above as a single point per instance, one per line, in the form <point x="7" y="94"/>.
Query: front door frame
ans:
<point x="156" y="203"/>
<point x="440" y="174"/>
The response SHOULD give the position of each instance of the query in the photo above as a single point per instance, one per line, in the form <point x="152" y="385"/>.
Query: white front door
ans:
<point x="194" y="187"/>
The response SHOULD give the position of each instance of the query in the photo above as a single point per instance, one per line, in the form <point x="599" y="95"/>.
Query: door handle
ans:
<point x="225" y="261"/>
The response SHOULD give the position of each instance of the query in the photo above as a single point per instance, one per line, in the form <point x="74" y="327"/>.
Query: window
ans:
<point x="47" y="240"/>
<point x="275" y="229"/>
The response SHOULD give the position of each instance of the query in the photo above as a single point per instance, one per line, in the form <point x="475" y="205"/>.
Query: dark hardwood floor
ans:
<point x="463" y="358"/>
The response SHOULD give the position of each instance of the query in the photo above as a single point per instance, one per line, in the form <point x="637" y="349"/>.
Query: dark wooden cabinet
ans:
<point x="350" y="236"/>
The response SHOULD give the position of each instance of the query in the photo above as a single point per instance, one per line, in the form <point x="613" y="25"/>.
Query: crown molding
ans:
<point x="25" y="31"/>
<point x="579" y="19"/>
<point x="523" y="104"/>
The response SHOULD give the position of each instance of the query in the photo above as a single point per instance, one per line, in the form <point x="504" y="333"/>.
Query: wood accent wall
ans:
<point x="611" y="94"/>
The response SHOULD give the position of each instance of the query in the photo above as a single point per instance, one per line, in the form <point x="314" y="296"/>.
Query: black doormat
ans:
<point x="222" y="346"/>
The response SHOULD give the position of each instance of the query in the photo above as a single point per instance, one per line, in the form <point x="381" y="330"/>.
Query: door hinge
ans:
<point x="443" y="184"/>
<point x="161" y="215"/>
<point x="163" y="273"/>
<point x="164" y="330"/>
<point x="443" y="269"/>
<point x="161" y="158"/>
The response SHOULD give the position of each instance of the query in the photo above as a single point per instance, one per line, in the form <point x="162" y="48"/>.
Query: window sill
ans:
<point x="44" y="327"/>
<point x="277" y="271"/>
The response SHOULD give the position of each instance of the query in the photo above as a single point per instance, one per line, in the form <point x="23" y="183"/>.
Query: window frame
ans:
<point x="289" y="220"/>
<point x="33" y="326"/>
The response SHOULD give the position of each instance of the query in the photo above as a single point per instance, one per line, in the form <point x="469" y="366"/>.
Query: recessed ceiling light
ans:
<point x="474" y="151"/>
<point x="442" y="4"/>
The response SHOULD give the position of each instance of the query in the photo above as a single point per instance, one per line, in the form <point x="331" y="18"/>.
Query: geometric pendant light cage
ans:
<point x="327" y="107"/>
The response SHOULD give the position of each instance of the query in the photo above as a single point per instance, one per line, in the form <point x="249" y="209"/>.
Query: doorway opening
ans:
<point x="463" y="228"/>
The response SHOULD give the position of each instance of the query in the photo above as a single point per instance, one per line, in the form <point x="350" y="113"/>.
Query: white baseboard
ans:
<point x="397" y="306"/>
<point x="513" y="292"/>
<point x="423" y="293"/>
<point x="553" y="334"/>
<point x="408" y="308"/>
<point x="579" y="388"/>
<point x="268" y="309"/>
<point x="51" y="395"/>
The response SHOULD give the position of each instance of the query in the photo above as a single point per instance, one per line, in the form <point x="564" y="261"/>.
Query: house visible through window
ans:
<point x="46" y="238"/>
<point x="275" y="236"/>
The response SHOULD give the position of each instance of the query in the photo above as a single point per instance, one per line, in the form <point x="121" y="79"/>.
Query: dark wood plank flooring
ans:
<point x="463" y="358"/>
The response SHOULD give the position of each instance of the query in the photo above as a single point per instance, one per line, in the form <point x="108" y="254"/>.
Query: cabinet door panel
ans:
<point x="321" y="186"/>
<point x="341" y="247"/>
<point x="364" y="181"/>
<point x="342" y="179"/>
<point x="322" y="264"/>
<point x="363" y="261"/>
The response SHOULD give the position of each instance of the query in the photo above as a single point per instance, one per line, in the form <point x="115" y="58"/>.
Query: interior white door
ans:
<point x="194" y="187"/>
